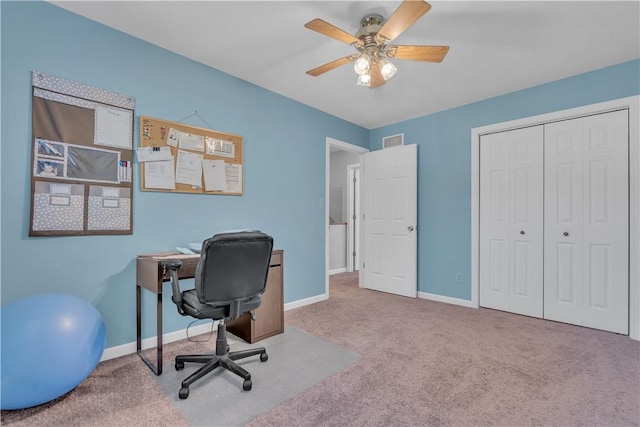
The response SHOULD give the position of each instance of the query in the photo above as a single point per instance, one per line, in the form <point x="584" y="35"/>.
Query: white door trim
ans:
<point x="351" y="171"/>
<point x="345" y="146"/>
<point x="632" y="103"/>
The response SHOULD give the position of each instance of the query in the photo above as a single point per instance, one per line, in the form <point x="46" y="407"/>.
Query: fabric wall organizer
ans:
<point x="82" y="161"/>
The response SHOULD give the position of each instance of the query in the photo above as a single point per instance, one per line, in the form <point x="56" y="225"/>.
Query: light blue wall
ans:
<point x="444" y="159"/>
<point x="284" y="170"/>
<point x="284" y="165"/>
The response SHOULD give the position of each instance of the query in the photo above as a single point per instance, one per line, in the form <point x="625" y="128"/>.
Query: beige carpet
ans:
<point x="423" y="364"/>
<point x="429" y="363"/>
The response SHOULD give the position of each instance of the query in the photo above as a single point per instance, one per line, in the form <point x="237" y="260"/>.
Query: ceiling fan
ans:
<point x="372" y="42"/>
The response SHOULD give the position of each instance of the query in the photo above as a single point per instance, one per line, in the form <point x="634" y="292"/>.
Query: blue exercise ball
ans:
<point x="50" y="344"/>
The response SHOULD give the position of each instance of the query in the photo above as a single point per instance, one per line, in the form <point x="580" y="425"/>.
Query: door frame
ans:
<point x="632" y="104"/>
<point x="344" y="146"/>
<point x="351" y="223"/>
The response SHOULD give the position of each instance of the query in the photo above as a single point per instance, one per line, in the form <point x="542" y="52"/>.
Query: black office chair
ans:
<point x="230" y="278"/>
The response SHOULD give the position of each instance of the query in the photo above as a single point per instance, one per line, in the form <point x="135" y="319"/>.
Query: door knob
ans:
<point x="410" y="228"/>
<point x="521" y="231"/>
<point x="565" y="233"/>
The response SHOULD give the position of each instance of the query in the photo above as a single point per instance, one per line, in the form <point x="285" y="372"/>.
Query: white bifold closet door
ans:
<point x="586" y="222"/>
<point x="511" y="221"/>
<point x="554" y="221"/>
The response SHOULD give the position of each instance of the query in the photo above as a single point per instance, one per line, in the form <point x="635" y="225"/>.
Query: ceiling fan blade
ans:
<point x="376" y="76"/>
<point x="418" y="53"/>
<point x="404" y="16"/>
<point x="327" y="29"/>
<point x="330" y="66"/>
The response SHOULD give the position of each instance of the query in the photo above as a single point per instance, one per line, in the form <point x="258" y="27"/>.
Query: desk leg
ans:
<point x="157" y="368"/>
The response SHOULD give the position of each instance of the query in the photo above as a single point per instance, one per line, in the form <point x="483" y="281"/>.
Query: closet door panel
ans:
<point x="494" y="222"/>
<point x="511" y="221"/>
<point x="586" y="221"/>
<point x="526" y="216"/>
<point x="606" y="221"/>
<point x="563" y="215"/>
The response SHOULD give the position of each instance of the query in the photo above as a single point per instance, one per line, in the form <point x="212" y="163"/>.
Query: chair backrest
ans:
<point x="233" y="267"/>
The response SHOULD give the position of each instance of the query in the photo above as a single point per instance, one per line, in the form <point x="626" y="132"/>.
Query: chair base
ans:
<point x="222" y="358"/>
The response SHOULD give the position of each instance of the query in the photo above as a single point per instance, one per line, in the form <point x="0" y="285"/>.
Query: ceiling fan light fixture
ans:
<point x="364" y="79"/>
<point x="362" y="64"/>
<point x="373" y="42"/>
<point x="387" y="69"/>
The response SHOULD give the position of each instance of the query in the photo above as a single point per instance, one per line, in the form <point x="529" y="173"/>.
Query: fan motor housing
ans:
<point x="369" y="27"/>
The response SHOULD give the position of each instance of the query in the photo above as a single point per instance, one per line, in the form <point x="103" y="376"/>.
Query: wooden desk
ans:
<point x="150" y="275"/>
<point x="270" y="314"/>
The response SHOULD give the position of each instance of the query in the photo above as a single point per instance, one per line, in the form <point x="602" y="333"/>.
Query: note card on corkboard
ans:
<point x="176" y="157"/>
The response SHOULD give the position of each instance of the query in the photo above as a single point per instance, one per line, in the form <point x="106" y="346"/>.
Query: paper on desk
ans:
<point x="148" y="154"/>
<point x="175" y="255"/>
<point x="159" y="175"/>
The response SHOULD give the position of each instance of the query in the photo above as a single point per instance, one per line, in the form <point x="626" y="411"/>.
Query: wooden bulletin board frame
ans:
<point x="220" y="149"/>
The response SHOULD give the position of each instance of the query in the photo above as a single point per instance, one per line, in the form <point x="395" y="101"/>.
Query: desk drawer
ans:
<point x="187" y="271"/>
<point x="276" y="258"/>
<point x="270" y="314"/>
<point x="150" y="272"/>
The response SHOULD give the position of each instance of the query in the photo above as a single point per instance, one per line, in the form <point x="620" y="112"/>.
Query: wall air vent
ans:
<point x="393" y="140"/>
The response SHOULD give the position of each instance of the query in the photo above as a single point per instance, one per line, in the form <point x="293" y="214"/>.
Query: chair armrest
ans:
<point x="172" y="264"/>
<point x="176" y="295"/>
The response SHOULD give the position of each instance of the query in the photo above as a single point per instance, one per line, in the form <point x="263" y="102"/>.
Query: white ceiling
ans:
<point x="496" y="47"/>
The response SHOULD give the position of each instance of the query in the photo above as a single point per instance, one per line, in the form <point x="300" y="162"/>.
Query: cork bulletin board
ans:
<point x="181" y="158"/>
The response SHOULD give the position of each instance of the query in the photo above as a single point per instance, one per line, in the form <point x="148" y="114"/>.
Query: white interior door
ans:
<point x="511" y="215"/>
<point x="389" y="215"/>
<point x="587" y="221"/>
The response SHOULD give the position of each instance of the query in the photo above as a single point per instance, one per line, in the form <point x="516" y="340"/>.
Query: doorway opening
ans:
<point x="344" y="155"/>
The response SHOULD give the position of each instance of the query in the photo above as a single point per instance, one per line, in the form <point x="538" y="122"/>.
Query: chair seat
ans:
<point x="193" y="307"/>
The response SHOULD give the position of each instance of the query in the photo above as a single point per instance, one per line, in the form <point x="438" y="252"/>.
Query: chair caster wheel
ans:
<point x="264" y="357"/>
<point x="180" y="365"/>
<point x="246" y="385"/>
<point x="183" y="393"/>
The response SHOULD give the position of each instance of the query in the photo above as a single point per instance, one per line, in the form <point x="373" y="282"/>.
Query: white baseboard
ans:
<point x="306" y="301"/>
<point x="448" y="300"/>
<point x="129" y="348"/>
<point x="338" y="271"/>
